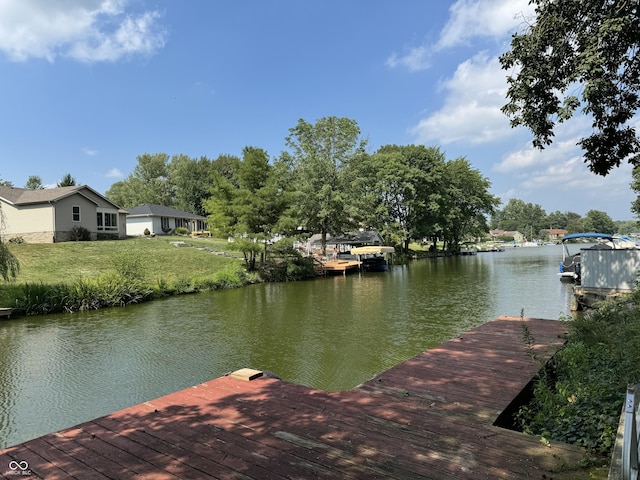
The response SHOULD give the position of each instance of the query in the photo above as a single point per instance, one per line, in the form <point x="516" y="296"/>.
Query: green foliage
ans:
<point x="321" y="157"/>
<point x="589" y="46"/>
<point x="67" y="181"/>
<point x="129" y="266"/>
<point x="147" y="232"/>
<point x="181" y="231"/>
<point x="79" y="234"/>
<point x="580" y="398"/>
<point x="232" y="276"/>
<point x="9" y="264"/>
<point x="34" y="182"/>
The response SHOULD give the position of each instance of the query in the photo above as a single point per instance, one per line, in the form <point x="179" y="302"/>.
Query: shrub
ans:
<point x="147" y="232"/>
<point x="580" y="399"/>
<point x="79" y="234"/>
<point x="16" y="240"/>
<point x="181" y="231"/>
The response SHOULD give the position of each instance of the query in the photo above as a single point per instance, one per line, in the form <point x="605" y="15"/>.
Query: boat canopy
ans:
<point x="372" y="250"/>
<point x="606" y="236"/>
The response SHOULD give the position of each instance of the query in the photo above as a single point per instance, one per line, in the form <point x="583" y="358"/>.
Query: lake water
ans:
<point x="331" y="333"/>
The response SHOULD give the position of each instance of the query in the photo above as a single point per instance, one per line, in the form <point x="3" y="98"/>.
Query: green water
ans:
<point x="332" y="333"/>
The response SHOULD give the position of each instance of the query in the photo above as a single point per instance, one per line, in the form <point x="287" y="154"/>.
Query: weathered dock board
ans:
<point x="6" y="312"/>
<point x="430" y="417"/>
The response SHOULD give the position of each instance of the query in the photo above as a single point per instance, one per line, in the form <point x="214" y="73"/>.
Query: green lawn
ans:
<point x="69" y="261"/>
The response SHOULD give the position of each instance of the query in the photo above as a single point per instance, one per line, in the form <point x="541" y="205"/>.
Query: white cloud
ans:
<point x="88" y="31"/>
<point x="418" y="58"/>
<point x="114" y="173"/>
<point x="482" y="18"/>
<point x="468" y="19"/>
<point x="90" y="151"/>
<point x="471" y="111"/>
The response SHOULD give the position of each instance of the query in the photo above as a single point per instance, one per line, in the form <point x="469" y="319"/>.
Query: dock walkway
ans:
<point x="430" y="417"/>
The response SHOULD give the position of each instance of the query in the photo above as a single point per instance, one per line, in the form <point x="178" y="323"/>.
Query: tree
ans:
<point x="589" y="46"/>
<point x="466" y="203"/>
<point x="67" y="181"/>
<point x="5" y="183"/>
<point x="321" y="155"/>
<point x="399" y="190"/>
<point x="9" y="264"/>
<point x="526" y="218"/>
<point x="249" y="202"/>
<point x="148" y="183"/>
<point x="190" y="180"/>
<point x="597" y="221"/>
<point x="34" y="182"/>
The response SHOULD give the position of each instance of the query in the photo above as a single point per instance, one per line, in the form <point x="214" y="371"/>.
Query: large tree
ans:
<point x="579" y="54"/>
<point x="321" y="155"/>
<point x="466" y="203"/>
<point x="399" y="189"/>
<point x="527" y="218"/>
<point x="249" y="202"/>
<point x="148" y="183"/>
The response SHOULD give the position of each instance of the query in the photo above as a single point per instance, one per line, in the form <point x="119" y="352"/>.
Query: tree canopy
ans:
<point x="34" y="182"/>
<point x="321" y="157"/>
<point x="67" y="181"/>
<point x="588" y="47"/>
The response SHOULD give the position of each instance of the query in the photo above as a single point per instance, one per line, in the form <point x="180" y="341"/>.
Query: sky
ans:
<point x="86" y="87"/>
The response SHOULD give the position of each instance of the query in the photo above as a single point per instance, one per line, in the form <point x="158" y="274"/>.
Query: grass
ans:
<point x="69" y="261"/>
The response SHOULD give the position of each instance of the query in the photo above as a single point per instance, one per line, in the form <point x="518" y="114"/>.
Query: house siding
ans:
<point x="51" y="219"/>
<point x="34" y="224"/>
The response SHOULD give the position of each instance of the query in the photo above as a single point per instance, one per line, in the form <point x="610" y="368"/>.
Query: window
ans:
<point x="164" y="223"/>
<point x="75" y="211"/>
<point x="107" y="222"/>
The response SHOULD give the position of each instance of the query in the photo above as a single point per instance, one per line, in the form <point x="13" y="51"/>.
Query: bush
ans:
<point x="147" y="232"/>
<point x="16" y="240"/>
<point x="79" y="234"/>
<point x="181" y="231"/>
<point x="580" y="399"/>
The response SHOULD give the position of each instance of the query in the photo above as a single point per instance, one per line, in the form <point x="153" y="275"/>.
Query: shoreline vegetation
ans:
<point x="75" y="276"/>
<point x="576" y="399"/>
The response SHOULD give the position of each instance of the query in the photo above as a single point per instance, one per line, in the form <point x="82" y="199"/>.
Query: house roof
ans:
<point x="350" y="238"/>
<point x="25" y="196"/>
<point x="153" y="210"/>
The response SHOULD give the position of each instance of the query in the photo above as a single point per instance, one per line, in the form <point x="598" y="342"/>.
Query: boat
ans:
<point x="372" y="257"/>
<point x="570" y="266"/>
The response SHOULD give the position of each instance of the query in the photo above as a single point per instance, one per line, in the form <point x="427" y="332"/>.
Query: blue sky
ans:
<point x="86" y="87"/>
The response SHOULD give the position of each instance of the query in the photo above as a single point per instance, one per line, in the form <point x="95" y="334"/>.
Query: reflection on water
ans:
<point x="332" y="333"/>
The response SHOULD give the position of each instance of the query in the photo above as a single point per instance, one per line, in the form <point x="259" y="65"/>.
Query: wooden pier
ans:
<point x="6" y="312"/>
<point x="431" y="417"/>
<point x="339" y="266"/>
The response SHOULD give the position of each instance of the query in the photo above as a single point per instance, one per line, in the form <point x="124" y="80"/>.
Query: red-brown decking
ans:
<point x="430" y="417"/>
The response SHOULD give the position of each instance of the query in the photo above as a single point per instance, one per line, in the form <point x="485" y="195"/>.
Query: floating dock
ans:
<point x="430" y="417"/>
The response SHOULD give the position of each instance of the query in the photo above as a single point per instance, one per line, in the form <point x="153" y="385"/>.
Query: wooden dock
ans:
<point x="431" y="417"/>
<point x="6" y="312"/>
<point x="339" y="266"/>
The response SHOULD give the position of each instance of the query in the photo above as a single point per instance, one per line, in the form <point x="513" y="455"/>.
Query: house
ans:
<point x="517" y="236"/>
<point x="52" y="214"/>
<point x="347" y="241"/>
<point x="554" y="233"/>
<point x="161" y="220"/>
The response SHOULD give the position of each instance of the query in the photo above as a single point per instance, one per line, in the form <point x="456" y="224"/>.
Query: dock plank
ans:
<point x="429" y="417"/>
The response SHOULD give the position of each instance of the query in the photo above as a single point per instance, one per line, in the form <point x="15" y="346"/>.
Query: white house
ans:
<point x="160" y="220"/>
